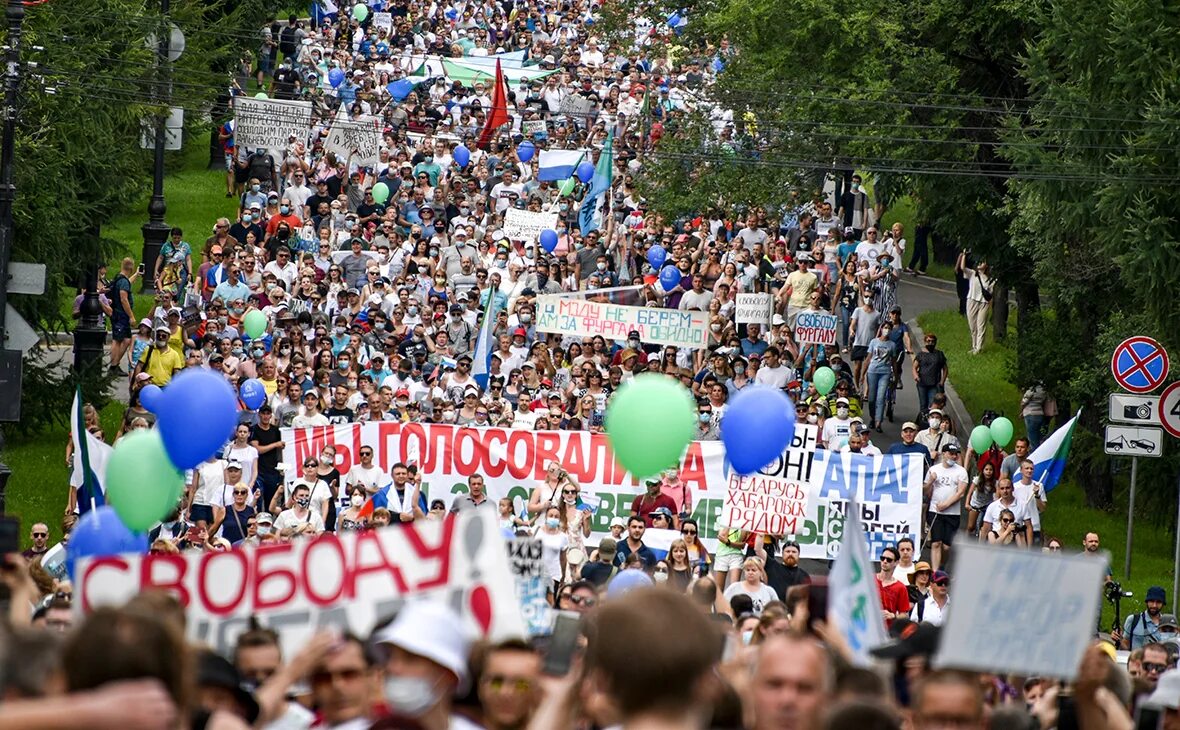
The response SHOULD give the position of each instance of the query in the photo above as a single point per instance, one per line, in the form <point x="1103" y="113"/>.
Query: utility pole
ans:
<point x="15" y="14"/>
<point x="155" y="231"/>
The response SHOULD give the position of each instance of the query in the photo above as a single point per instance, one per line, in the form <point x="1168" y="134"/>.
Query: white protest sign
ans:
<point x="525" y="225"/>
<point x="1045" y="607"/>
<point x="754" y="308"/>
<point x="773" y="504"/>
<point x="656" y="326"/>
<point x="524" y="557"/>
<point x="350" y="580"/>
<point x="360" y="138"/>
<point x="269" y="123"/>
<point x="816" y="328"/>
<point x="532" y="127"/>
<point x="853" y="601"/>
<point x="576" y="106"/>
<point x="383" y="20"/>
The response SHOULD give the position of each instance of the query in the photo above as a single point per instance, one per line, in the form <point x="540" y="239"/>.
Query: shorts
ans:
<point x="241" y="174"/>
<point x="229" y="162"/>
<point x="724" y="563"/>
<point x="859" y="353"/>
<point x="199" y="512"/>
<point x="943" y="528"/>
<point x="120" y="330"/>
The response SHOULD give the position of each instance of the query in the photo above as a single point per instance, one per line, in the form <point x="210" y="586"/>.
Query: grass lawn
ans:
<point x="981" y="381"/>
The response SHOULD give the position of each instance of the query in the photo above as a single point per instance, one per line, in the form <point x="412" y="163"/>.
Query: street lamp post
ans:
<point x="155" y="231"/>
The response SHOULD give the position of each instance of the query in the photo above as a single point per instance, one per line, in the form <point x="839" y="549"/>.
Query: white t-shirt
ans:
<point x="305" y="421"/>
<point x="288" y="518"/>
<point x="371" y="478"/>
<point x="212" y="479"/>
<point x="1024" y="495"/>
<point x="992" y="513"/>
<point x="320" y="494"/>
<point x="248" y="457"/>
<point x="764" y="595"/>
<point x="774" y="377"/>
<point x="551" y="547"/>
<point x="836" y="432"/>
<point x="947" y="480"/>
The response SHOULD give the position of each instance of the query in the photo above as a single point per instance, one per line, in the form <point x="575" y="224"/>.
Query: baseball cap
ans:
<point x="143" y="376"/>
<point x="264" y="517"/>
<point x="951" y="447"/>
<point x="662" y="511"/>
<point x="841" y="400"/>
<point x="233" y="464"/>
<point x="934" y="411"/>
<point x="1168" y="619"/>
<point x="910" y="425"/>
<point x="163" y="328"/>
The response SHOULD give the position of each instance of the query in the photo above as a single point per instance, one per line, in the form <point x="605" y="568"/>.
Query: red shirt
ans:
<point x="644" y="505"/>
<point x="894" y="598"/>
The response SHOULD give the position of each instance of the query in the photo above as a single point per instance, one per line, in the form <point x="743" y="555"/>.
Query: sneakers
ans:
<point x="116" y="370"/>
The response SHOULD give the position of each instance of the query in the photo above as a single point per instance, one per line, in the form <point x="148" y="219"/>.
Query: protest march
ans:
<point x="440" y="425"/>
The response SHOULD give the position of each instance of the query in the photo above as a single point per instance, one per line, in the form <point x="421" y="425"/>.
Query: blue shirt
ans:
<point x="228" y="292"/>
<point x="754" y="348"/>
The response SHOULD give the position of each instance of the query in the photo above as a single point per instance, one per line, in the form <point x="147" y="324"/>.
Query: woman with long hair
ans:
<point x="981" y="494"/>
<point x="680" y="566"/>
<point x="753" y="584"/>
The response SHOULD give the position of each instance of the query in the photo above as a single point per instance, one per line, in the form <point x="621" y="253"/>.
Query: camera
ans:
<point x="1141" y="412"/>
<point x="1115" y="592"/>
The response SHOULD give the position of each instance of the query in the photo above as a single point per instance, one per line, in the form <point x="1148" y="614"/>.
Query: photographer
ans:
<point x="1141" y="629"/>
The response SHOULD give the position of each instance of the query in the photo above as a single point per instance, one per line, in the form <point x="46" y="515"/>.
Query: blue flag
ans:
<point x="588" y="217"/>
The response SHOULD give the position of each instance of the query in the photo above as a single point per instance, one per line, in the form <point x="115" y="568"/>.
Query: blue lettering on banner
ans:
<point x="868" y="478"/>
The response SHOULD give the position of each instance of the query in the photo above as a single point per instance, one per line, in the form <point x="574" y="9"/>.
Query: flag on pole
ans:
<point x="553" y="165"/>
<point x="498" y="113"/>
<point x="91" y="455"/>
<point x="481" y="359"/>
<point x="853" y="601"/>
<point x="590" y="217"/>
<point x="1050" y="457"/>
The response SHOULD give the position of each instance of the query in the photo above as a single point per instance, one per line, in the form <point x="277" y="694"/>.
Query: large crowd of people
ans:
<point x="375" y="311"/>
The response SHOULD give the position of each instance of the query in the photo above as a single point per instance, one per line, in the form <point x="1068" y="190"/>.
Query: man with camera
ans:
<point x="1141" y="629"/>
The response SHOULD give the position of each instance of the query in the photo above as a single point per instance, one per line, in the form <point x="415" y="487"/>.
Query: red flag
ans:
<point x="498" y="114"/>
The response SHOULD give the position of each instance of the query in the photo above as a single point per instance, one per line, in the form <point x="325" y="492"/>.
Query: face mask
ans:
<point x="428" y="158"/>
<point x="434" y="252"/>
<point x="325" y="459"/>
<point x="935" y="422"/>
<point x="410" y="696"/>
<point x="464" y="211"/>
<point x="526" y="318"/>
<point x="601" y="266"/>
<point x="705" y="417"/>
<point x="237" y="351"/>
<point x="842" y="412"/>
<point x="357" y="500"/>
<point x="448" y="416"/>
<point x="739" y="369"/>
<point x="930" y="346"/>
<point x="715" y="327"/>
<point x="258" y="354"/>
<point x="379" y="326"/>
<point x="855" y="187"/>
<point x="255" y="188"/>
<point x="813" y="418"/>
<point x="338" y="330"/>
<point x="412" y="311"/>
<point x="343" y="365"/>
<point x="284" y="351"/>
<point x="570" y="500"/>
<point x="747" y="637"/>
<point x="501" y="264"/>
<point x="303" y="501"/>
<point x="264" y="530"/>
<point x="947" y="461"/>
<point x="552" y="523"/>
<point x="284" y="209"/>
<point x="660" y="577"/>
<point x="351" y="384"/>
<point x="885" y="332"/>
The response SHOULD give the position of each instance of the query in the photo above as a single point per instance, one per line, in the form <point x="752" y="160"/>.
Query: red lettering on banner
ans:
<point x="203" y="581"/>
<point x="331" y="543"/>
<point x="303" y="448"/>
<point x="521" y="467"/>
<point x="438" y="458"/>
<point x="602" y="458"/>
<point x="361" y="568"/>
<point x="95" y="565"/>
<point x="495" y="441"/>
<point x="693" y="469"/>
<point x="440" y="552"/>
<point x="386" y="430"/>
<point x="547" y="443"/>
<point x="263" y="573"/>
<point x="413" y="432"/>
<point x="575" y="460"/>
<point x="467" y="440"/>
<point x="149" y="575"/>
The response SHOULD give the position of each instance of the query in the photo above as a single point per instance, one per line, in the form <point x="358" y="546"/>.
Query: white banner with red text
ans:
<point x="513" y="462"/>
<point x="350" y="581"/>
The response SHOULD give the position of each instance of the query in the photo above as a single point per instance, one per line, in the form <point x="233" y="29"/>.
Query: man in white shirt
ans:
<point x="300" y="519"/>
<point x="366" y="473"/>
<point x="933" y="609"/>
<point x="946" y="483"/>
<point x="1031" y="493"/>
<point x="311" y="415"/>
<point x="283" y="268"/>
<point x="837" y="428"/>
<point x="1005" y="500"/>
<point x="773" y="372"/>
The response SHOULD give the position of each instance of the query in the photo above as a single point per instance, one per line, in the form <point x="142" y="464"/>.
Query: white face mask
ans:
<point x="660" y="577"/>
<point x="813" y="418"/>
<point x="357" y="500"/>
<point x="842" y="412"/>
<point x="934" y="423"/>
<point x="410" y="696"/>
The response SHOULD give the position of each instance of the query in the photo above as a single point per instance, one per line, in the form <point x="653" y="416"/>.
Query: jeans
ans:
<point x="1035" y="425"/>
<point x="845" y="323"/>
<point x="926" y="395"/>
<point x="879" y="393"/>
<point x="268" y="482"/>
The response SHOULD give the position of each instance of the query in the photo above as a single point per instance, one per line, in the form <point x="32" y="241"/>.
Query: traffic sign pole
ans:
<point x="1131" y="517"/>
<point x="1176" y="556"/>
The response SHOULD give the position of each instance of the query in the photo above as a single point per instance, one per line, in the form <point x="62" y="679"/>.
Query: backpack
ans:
<point x="287" y="41"/>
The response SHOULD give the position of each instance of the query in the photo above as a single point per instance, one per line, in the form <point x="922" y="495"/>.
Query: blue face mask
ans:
<point x="284" y="209"/>
<point x="553" y="523"/>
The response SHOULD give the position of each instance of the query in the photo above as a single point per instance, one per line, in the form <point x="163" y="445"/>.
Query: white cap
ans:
<point x="433" y="631"/>
<point x="777" y="319"/>
<point x="617" y="521"/>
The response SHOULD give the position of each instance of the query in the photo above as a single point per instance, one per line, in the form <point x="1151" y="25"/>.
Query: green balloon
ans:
<point x="261" y="95"/>
<point x="380" y="192"/>
<point x="649" y="423"/>
<point x="824" y="380"/>
<point x="254" y="323"/>
<point x="141" y="483"/>
<point x="1001" y="429"/>
<point x="981" y="438"/>
<point x="359" y="13"/>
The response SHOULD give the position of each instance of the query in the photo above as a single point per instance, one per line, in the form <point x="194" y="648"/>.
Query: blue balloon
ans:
<point x="101" y="532"/>
<point x="525" y="151"/>
<point x="585" y="172"/>
<point x="757" y="427"/>
<point x="626" y="581"/>
<point x="151" y="396"/>
<point x="199" y="414"/>
<point x="253" y="393"/>
<point x="400" y="89"/>
<point x="656" y="255"/>
<point x="549" y="240"/>
<point x="669" y="277"/>
<point x="462" y="155"/>
<point x="336" y="77"/>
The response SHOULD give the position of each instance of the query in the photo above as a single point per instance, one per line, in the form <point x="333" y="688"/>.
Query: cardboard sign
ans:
<point x="577" y="107"/>
<point x="754" y="308"/>
<point x="383" y="20"/>
<point x="360" y="138"/>
<point x="525" y="225"/>
<point x="656" y="325"/>
<point x="536" y="126"/>
<point x="269" y="123"/>
<point x="524" y="556"/>
<point x="772" y="504"/>
<point x="350" y="580"/>
<point x="816" y="328"/>
<point x="1045" y="607"/>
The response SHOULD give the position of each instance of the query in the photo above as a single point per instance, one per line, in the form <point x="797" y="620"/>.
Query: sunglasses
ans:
<point x="240" y="491"/>
<point x="516" y="684"/>
<point x="688" y="532"/>
<point x="1154" y="668"/>
<point x="40" y="534"/>
<point x="943" y="583"/>
<point x="569" y="491"/>
<point x="585" y="601"/>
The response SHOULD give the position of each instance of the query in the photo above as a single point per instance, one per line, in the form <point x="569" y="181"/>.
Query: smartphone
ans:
<point x="9" y="534"/>
<point x="1148" y="718"/>
<point x="140" y="269"/>
<point x="1067" y="712"/>
<point x="817" y="601"/>
<point x="567" y="627"/>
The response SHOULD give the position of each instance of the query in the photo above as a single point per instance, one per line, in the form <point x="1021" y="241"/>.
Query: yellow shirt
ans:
<point x="160" y="364"/>
<point x="801" y="285"/>
<point x="270" y="386"/>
